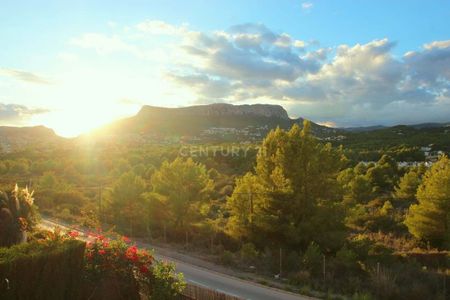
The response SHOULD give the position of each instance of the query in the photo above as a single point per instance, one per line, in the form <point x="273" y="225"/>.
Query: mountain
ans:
<point x="214" y="121"/>
<point x="13" y="138"/>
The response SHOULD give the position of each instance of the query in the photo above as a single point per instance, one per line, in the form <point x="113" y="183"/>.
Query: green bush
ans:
<point x="312" y="259"/>
<point x="42" y="270"/>
<point x="227" y="258"/>
<point x="248" y="253"/>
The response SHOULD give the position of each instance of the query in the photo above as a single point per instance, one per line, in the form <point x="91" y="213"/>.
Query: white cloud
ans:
<point x="17" y="114"/>
<point x="307" y="5"/>
<point x="103" y="44"/>
<point x="161" y="28"/>
<point x="437" y="44"/>
<point x="24" y="76"/>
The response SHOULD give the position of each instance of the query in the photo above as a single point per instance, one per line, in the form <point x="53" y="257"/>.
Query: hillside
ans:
<point x="409" y="135"/>
<point x="206" y="122"/>
<point x="13" y="138"/>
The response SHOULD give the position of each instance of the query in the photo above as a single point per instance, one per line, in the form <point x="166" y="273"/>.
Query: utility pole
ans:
<point x="378" y="278"/>
<point x="165" y="237"/>
<point x="445" y="283"/>
<point x="100" y="204"/>
<point x="251" y="206"/>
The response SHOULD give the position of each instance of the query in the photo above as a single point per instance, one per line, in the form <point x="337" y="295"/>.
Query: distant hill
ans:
<point x="13" y="138"/>
<point x="378" y="127"/>
<point x="208" y="121"/>
<point x="362" y="129"/>
<point x="409" y="135"/>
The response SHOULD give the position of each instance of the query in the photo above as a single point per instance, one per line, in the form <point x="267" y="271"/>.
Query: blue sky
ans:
<point x="343" y="63"/>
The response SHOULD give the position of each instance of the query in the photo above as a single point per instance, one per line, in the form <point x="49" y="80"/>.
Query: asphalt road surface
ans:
<point x="214" y="280"/>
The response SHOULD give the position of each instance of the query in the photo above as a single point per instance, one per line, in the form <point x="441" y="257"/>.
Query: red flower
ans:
<point x="131" y="253"/>
<point x="106" y="244"/>
<point x="74" y="234"/>
<point x="126" y="239"/>
<point x="101" y="252"/>
<point x="144" y="269"/>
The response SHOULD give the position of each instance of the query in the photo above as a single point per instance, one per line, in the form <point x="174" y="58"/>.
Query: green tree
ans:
<point x="292" y="188"/>
<point x="244" y="205"/>
<point x="126" y="203"/>
<point x="383" y="176"/>
<point x="429" y="220"/>
<point x="407" y="186"/>
<point x="360" y="189"/>
<point x="184" y="184"/>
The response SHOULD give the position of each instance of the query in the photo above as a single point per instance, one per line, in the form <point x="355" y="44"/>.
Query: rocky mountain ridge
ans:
<point x="221" y="110"/>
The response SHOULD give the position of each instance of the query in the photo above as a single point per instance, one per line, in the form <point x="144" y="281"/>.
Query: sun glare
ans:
<point x="78" y="120"/>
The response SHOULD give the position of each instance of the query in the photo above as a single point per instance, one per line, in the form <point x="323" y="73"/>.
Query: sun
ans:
<point x="73" y="121"/>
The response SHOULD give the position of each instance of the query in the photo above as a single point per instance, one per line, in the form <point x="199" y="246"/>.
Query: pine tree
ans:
<point x="430" y="219"/>
<point x="298" y="177"/>
<point x="184" y="184"/>
<point x="407" y="187"/>
<point x="126" y="203"/>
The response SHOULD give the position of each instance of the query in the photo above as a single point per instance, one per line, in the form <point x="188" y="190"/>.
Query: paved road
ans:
<point x="214" y="280"/>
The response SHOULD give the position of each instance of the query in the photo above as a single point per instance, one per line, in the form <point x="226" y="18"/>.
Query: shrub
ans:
<point x="248" y="253"/>
<point x="165" y="284"/>
<point x="227" y="258"/>
<point x="114" y="268"/>
<point x="17" y="216"/>
<point x="312" y="258"/>
<point x="42" y="270"/>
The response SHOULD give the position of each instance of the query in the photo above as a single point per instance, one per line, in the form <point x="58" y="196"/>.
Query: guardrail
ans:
<point x="195" y="292"/>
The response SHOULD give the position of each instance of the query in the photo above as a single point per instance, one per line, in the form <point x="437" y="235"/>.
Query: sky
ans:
<point x="76" y="65"/>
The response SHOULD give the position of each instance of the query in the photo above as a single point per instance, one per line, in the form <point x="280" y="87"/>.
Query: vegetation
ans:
<point x="292" y="206"/>
<point x="293" y="189"/>
<point x="17" y="216"/>
<point x="429" y="220"/>
<point x="114" y="269"/>
<point x="42" y="270"/>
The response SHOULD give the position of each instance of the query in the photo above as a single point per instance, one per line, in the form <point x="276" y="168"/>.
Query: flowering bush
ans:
<point x="130" y="269"/>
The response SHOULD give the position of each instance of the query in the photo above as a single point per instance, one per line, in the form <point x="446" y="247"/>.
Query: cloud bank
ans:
<point x="348" y="85"/>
